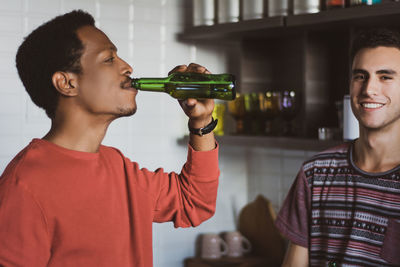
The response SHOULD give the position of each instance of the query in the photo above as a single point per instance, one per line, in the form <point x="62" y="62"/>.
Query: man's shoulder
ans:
<point x="337" y="153"/>
<point x="112" y="152"/>
<point x="23" y="160"/>
<point x="109" y="150"/>
<point x="341" y="149"/>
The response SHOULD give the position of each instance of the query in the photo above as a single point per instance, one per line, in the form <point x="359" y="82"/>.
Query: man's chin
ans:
<point x="127" y="112"/>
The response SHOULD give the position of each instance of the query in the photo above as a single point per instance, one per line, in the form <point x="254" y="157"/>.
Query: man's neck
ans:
<point x="77" y="133"/>
<point x="377" y="151"/>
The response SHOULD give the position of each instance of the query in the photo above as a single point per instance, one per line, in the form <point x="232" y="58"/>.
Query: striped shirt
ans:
<point x="342" y="214"/>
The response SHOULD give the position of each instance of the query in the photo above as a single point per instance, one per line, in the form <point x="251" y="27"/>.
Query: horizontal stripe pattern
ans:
<point x="350" y="210"/>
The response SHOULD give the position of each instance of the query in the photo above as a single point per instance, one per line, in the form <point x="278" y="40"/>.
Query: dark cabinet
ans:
<point x="308" y="53"/>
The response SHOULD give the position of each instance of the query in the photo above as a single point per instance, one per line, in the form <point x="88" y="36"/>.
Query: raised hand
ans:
<point x="199" y="111"/>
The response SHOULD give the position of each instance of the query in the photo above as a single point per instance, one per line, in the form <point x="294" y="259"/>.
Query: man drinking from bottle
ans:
<point x="68" y="200"/>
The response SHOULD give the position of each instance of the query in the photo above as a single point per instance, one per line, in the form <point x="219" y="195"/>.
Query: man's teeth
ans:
<point x="371" y="105"/>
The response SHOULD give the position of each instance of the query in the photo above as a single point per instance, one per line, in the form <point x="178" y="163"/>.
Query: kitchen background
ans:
<point x="145" y="33"/>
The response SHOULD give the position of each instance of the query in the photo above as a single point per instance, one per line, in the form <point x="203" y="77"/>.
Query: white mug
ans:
<point x="237" y="244"/>
<point x="212" y="246"/>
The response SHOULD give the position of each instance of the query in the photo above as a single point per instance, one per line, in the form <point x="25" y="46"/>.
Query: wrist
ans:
<point x="199" y="123"/>
<point x="205" y="129"/>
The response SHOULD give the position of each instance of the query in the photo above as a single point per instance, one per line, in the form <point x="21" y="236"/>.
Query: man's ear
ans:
<point x="65" y="83"/>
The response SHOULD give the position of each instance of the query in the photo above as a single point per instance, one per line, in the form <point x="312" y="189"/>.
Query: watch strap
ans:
<point x="206" y="129"/>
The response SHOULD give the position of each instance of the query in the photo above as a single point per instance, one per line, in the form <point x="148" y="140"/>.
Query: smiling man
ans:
<point x="344" y="206"/>
<point x="68" y="200"/>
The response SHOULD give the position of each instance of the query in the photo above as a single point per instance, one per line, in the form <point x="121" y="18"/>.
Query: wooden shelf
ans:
<point x="358" y="15"/>
<point x="234" y="30"/>
<point x="385" y="14"/>
<point x="272" y="142"/>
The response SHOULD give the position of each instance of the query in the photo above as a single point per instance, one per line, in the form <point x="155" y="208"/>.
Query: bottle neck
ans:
<point x="149" y="84"/>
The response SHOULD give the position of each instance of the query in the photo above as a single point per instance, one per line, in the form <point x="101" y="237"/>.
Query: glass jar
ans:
<point x="334" y="4"/>
<point x="364" y="2"/>
<point x="277" y="8"/>
<point x="203" y="12"/>
<point x="305" y="6"/>
<point x="253" y="9"/>
<point x="228" y="11"/>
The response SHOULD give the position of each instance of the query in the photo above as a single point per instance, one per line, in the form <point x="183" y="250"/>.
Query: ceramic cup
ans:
<point x="237" y="244"/>
<point x="213" y="246"/>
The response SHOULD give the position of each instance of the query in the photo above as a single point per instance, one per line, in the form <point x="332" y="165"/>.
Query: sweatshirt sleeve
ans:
<point x="293" y="218"/>
<point x="24" y="240"/>
<point x="189" y="198"/>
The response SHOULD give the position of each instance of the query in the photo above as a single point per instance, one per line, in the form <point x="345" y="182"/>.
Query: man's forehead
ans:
<point x="94" y="39"/>
<point x="380" y="51"/>
<point x="378" y="57"/>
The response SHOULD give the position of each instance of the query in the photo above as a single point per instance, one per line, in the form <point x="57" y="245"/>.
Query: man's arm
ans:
<point x="189" y="198"/>
<point x="293" y="221"/>
<point x="296" y="256"/>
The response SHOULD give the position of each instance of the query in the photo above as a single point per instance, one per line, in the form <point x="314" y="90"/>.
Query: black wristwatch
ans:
<point x="206" y="129"/>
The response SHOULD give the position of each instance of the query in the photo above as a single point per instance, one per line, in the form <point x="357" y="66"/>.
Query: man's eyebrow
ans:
<point x="386" y="71"/>
<point x="357" y="71"/>
<point x="107" y="49"/>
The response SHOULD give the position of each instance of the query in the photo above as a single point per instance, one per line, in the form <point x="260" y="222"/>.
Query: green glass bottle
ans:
<point x="183" y="85"/>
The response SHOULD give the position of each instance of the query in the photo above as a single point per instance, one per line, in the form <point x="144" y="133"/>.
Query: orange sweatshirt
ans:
<point x="61" y="207"/>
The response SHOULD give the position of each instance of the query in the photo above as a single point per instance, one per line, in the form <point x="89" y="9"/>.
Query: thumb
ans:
<point x="190" y="102"/>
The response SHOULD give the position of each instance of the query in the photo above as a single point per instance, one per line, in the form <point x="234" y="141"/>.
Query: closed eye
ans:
<point x="110" y="59"/>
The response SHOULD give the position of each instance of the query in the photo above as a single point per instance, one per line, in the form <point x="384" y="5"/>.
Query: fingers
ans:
<point x="190" y="102"/>
<point x="198" y="111"/>
<point x="180" y="68"/>
<point x="193" y="67"/>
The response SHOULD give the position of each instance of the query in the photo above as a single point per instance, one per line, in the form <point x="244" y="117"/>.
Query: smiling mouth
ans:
<point x="371" y="105"/>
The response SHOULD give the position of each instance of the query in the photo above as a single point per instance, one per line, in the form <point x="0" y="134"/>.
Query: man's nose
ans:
<point x="372" y="86"/>
<point x="126" y="68"/>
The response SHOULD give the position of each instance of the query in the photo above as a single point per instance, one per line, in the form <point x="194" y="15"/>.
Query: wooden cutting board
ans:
<point x="256" y="223"/>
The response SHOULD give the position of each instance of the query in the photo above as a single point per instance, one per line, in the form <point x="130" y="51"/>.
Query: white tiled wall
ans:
<point x="271" y="172"/>
<point x="144" y="31"/>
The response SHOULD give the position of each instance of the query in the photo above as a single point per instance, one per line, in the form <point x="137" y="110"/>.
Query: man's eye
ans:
<point x="111" y="59"/>
<point x="386" y="78"/>
<point x="359" y="77"/>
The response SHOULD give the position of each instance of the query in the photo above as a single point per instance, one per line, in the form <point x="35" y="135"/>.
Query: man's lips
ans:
<point x="127" y="85"/>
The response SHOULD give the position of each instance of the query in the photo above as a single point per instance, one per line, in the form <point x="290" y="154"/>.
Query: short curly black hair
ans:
<point x="53" y="46"/>
<point x="372" y="38"/>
